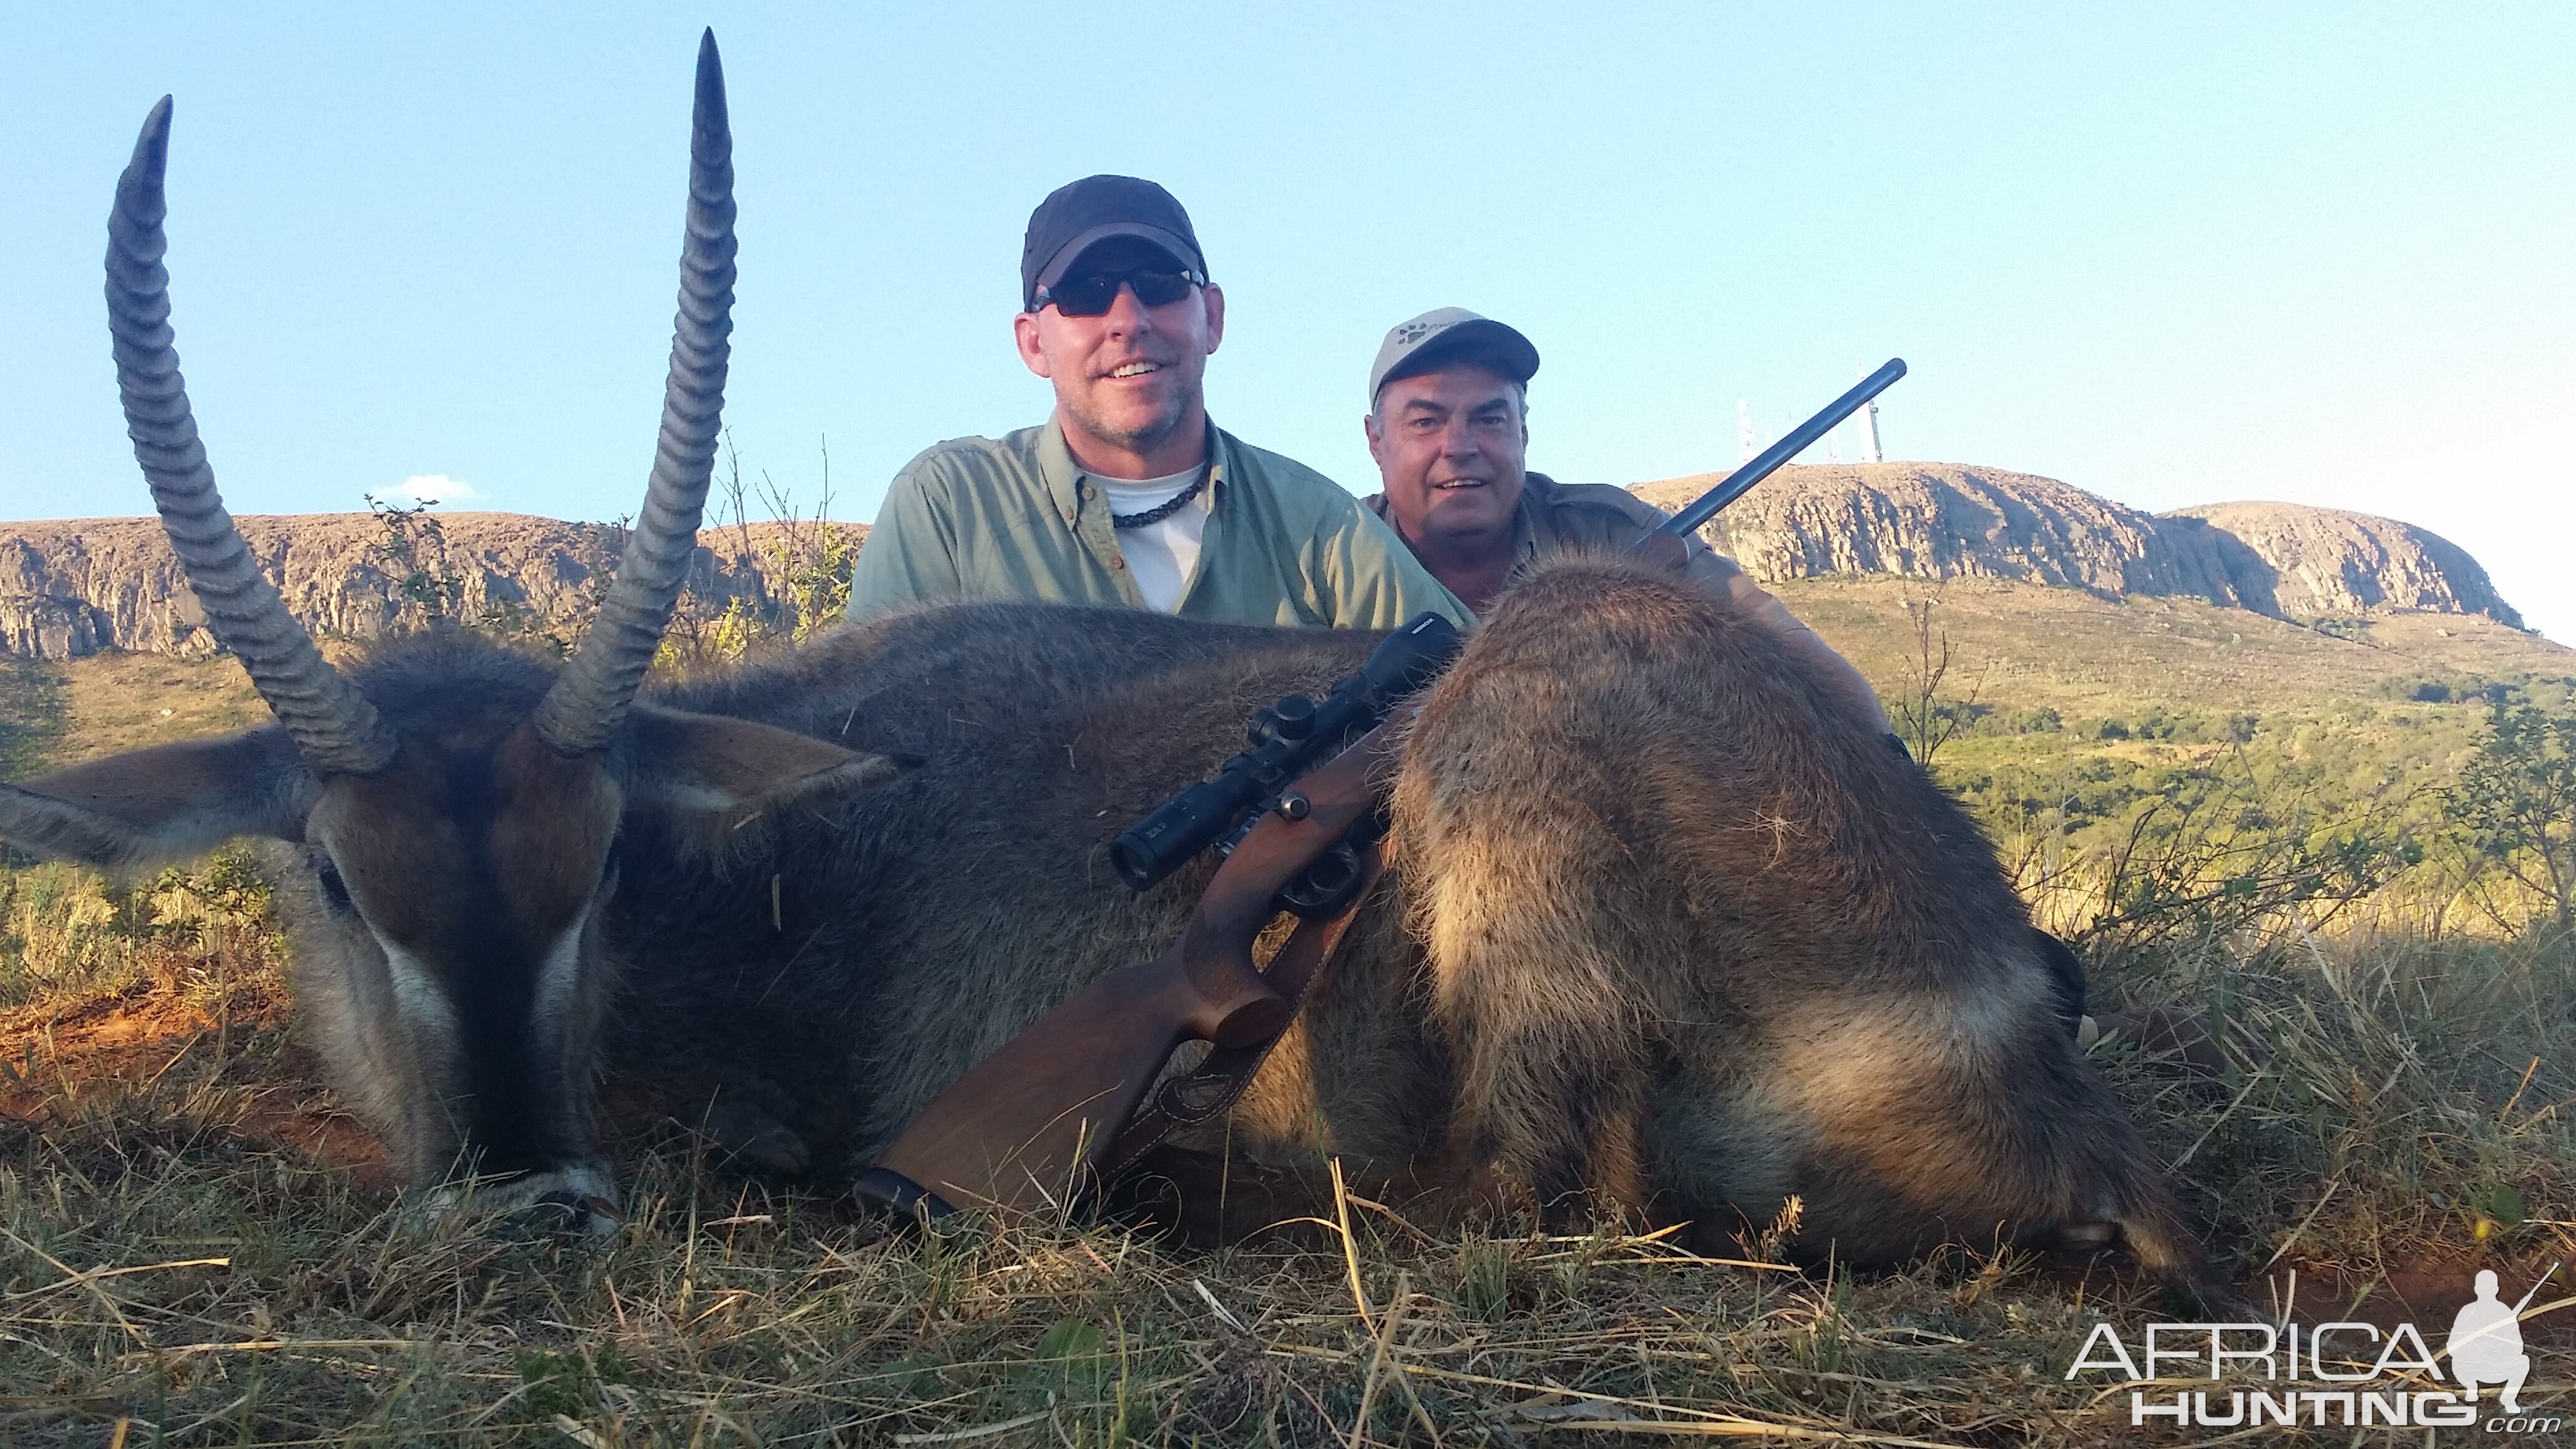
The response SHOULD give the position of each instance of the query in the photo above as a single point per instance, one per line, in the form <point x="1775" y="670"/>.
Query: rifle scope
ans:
<point x="1286" y="738"/>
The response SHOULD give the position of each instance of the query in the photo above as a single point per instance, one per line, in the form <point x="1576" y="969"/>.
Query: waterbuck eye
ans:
<point x="334" y="889"/>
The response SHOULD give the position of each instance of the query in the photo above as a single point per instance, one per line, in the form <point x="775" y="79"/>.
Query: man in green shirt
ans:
<point x="1448" y="424"/>
<point x="1128" y="494"/>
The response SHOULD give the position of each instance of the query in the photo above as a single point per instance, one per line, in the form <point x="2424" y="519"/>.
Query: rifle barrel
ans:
<point x="2534" y="1293"/>
<point x="1768" y="461"/>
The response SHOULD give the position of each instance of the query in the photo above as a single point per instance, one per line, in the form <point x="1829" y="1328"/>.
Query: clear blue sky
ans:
<point x="2172" y="254"/>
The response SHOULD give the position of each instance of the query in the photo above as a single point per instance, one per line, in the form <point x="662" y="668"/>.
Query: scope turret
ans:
<point x="1286" y="739"/>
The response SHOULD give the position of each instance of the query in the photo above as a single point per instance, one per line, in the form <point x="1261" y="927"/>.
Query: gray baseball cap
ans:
<point x="1450" y="334"/>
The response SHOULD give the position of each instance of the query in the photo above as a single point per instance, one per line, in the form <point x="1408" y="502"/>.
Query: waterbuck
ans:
<point x="455" y="807"/>
<point x="796" y="900"/>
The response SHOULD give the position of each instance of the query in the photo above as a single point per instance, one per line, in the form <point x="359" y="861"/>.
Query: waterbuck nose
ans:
<point x="568" y="1214"/>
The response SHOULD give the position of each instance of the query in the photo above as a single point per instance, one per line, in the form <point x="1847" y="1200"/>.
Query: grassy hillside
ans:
<point x="2085" y="655"/>
<point x="2026" y="647"/>
<point x="55" y="713"/>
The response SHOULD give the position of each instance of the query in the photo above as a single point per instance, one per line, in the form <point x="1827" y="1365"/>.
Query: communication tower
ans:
<point x="1868" y="419"/>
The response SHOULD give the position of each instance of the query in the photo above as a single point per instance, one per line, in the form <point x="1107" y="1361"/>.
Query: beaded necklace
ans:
<point x="1167" y="507"/>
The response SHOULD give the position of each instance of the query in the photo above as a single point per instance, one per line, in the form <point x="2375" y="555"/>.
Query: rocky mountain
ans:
<point x="1945" y="520"/>
<point x="76" y="587"/>
<point x="2328" y="561"/>
<point x="73" y="588"/>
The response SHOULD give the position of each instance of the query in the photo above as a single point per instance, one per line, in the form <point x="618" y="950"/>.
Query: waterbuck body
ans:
<point x="1697" y="939"/>
<point x="1680" y="940"/>
<point x="1660" y="930"/>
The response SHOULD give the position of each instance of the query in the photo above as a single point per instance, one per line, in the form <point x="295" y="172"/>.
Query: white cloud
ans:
<point x="421" y="488"/>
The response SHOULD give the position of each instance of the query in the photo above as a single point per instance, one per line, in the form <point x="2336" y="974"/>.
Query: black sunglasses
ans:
<point x="1094" y="295"/>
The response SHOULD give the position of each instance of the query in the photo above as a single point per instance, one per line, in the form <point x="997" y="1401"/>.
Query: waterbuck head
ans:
<point x="454" y="804"/>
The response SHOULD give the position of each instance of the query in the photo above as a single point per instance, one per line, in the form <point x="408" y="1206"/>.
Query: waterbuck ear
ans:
<point x="164" y="803"/>
<point x="707" y="762"/>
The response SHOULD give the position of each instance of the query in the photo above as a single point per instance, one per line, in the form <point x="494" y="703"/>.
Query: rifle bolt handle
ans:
<point x="1294" y="806"/>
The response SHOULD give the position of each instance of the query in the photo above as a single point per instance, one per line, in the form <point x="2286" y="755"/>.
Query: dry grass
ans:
<point x="192" y="1242"/>
<point x="128" y="701"/>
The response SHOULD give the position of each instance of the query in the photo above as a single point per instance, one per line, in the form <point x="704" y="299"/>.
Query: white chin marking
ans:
<point x="420" y="1002"/>
<point x="558" y="982"/>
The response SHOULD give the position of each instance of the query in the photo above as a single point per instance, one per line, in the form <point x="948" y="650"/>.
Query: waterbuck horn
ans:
<point x="333" y="725"/>
<point x="589" y="699"/>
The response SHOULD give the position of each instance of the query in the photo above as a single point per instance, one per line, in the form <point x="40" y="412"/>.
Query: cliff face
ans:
<point x="1935" y="520"/>
<point x="2328" y="561"/>
<point x="73" y="588"/>
<point x="1942" y="520"/>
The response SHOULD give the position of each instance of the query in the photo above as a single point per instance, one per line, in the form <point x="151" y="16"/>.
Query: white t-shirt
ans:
<point x="1161" y="555"/>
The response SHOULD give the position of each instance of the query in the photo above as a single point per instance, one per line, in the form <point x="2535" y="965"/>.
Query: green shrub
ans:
<point x="2515" y="808"/>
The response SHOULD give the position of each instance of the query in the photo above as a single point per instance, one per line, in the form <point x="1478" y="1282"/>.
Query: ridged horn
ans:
<point x="589" y="699"/>
<point x="334" y="726"/>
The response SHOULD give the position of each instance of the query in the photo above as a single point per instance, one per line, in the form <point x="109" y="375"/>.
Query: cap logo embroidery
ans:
<point x="1412" y="332"/>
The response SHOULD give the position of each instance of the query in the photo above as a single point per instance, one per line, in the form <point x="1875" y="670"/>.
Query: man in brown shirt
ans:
<point x="1448" y="424"/>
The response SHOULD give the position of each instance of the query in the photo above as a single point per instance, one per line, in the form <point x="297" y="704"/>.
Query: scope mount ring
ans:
<point x="1326" y="884"/>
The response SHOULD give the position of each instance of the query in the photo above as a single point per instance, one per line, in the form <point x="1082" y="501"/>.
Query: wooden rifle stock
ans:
<point x="1028" y="1126"/>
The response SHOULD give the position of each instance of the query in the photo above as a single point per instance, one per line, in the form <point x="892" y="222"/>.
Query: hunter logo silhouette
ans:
<point x="2346" y="1374"/>
<point x="2486" y="1343"/>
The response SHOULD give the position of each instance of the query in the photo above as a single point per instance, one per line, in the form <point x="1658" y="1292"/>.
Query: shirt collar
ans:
<point x="1530" y="526"/>
<point x="1064" y="476"/>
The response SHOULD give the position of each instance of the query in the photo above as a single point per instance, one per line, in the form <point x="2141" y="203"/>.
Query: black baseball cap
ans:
<point x="1081" y="214"/>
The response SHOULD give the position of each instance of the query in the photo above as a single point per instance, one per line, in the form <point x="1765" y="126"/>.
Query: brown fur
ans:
<point x="1701" y="942"/>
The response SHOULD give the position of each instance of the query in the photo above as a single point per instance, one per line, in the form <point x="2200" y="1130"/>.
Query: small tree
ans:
<point x="809" y="558"/>
<point x="2515" y="806"/>
<point x="792" y="582"/>
<point x="1923" y="718"/>
<point x="413" y="550"/>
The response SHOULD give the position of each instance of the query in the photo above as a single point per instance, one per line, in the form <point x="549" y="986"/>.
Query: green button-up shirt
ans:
<point x="1014" y="518"/>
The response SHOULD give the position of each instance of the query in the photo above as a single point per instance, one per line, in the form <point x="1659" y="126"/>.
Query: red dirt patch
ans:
<point x="63" y="1057"/>
<point x="2425" y="1293"/>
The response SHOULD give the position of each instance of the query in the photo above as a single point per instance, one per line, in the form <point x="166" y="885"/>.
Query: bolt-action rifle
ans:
<point x="1055" y="1113"/>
